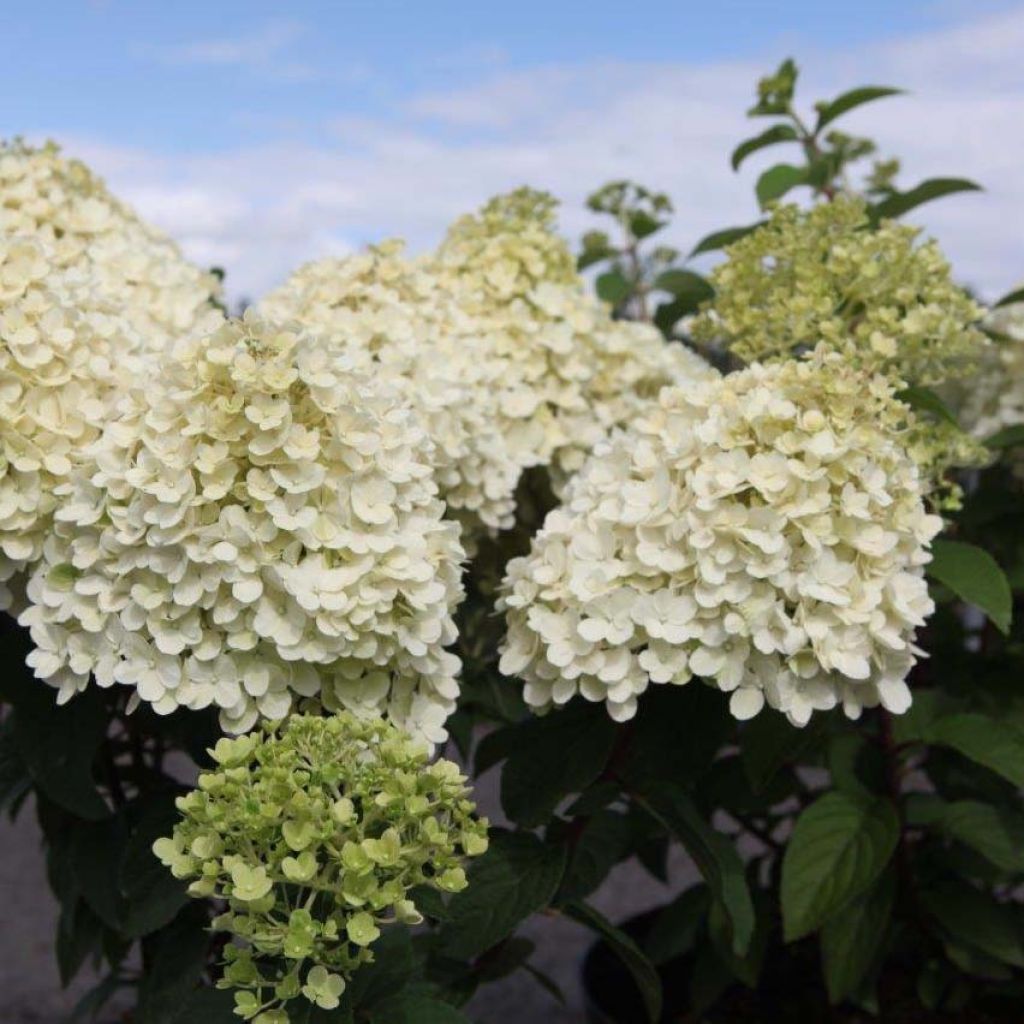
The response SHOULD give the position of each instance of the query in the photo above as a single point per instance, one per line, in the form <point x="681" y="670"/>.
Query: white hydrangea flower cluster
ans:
<point x="566" y="373"/>
<point x="765" y="532"/>
<point x="260" y="524"/>
<point x="58" y="370"/>
<point x="110" y="255"/>
<point x="387" y="313"/>
<point x="995" y="397"/>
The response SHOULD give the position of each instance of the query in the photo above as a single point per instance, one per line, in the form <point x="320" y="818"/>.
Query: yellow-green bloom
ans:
<point x="315" y="835"/>
<point x="822" y="276"/>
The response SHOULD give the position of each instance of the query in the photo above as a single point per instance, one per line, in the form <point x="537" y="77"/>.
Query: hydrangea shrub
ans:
<point x="288" y="583"/>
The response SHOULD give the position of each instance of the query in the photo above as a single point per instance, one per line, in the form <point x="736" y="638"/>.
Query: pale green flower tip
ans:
<point x="361" y="929"/>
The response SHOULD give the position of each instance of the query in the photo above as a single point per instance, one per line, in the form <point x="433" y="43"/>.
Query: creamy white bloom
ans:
<point x="59" y="368"/>
<point x="110" y="256"/>
<point x="259" y="524"/>
<point x="765" y="532"/>
<point x="389" y="316"/>
<point x="565" y="373"/>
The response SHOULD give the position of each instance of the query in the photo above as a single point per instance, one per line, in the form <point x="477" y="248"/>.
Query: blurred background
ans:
<point x="265" y="134"/>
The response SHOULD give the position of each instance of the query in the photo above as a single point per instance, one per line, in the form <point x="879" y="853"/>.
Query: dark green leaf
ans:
<point x="851" y="939"/>
<point x="1008" y="437"/>
<point x="973" y="575"/>
<point x="418" y="1009"/>
<point x="828" y="112"/>
<point x="613" y="287"/>
<point x="79" y="934"/>
<point x="97" y="848"/>
<point x="770" y="741"/>
<point x="775" y="182"/>
<point x="603" y="842"/>
<point x="177" y="957"/>
<point x="934" y="188"/>
<point x="154" y="896"/>
<point x="94" y="1000"/>
<point x="978" y="922"/>
<point x="926" y="400"/>
<point x="747" y="968"/>
<point x="546" y="982"/>
<point x="654" y="751"/>
<point x="632" y="957"/>
<point x="643" y="225"/>
<point x="777" y="133"/>
<point x="990" y="742"/>
<point x="720" y="239"/>
<point x="1017" y="295"/>
<point x="674" y="931"/>
<point x="997" y="834"/>
<point x="515" y="877"/>
<point x="839" y="846"/>
<point x="553" y="757"/>
<point x="715" y="856"/>
<point x="212" y="1006"/>
<point x="56" y="743"/>
<point x="15" y="781"/>
<point x="685" y="284"/>
<point x="388" y="974"/>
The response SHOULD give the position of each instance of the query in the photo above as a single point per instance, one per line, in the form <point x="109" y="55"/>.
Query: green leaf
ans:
<point x="851" y="939"/>
<point x="768" y="742"/>
<point x="654" y="751"/>
<point x="79" y="934"/>
<point x="675" y="929"/>
<point x="990" y="742"/>
<point x="88" y="1007"/>
<point x="96" y="851"/>
<point x="389" y="972"/>
<point x="777" y="181"/>
<point x="997" y="834"/>
<point x="977" y="921"/>
<point x="552" y="757"/>
<point x="153" y="895"/>
<point x="934" y="188"/>
<point x="604" y="840"/>
<point x="720" y="239"/>
<point x="15" y="781"/>
<point x="515" y="877"/>
<point x="1017" y="295"/>
<point x="418" y="1009"/>
<point x="715" y="856"/>
<point x="1008" y="437"/>
<point x="177" y="957"/>
<point x="643" y="225"/>
<point x="747" y="968"/>
<point x="632" y="957"/>
<point x="685" y="284"/>
<point x="926" y="400"/>
<point x="828" y="112"/>
<point x="973" y="575"/>
<point x="56" y="743"/>
<point x="777" y="133"/>
<point x="839" y="846"/>
<point x="613" y="287"/>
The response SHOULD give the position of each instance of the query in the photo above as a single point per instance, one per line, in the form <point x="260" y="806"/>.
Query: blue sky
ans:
<point x="262" y="134"/>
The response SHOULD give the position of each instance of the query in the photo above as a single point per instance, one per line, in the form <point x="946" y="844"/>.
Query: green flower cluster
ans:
<point x="314" y="833"/>
<point x="822" y="275"/>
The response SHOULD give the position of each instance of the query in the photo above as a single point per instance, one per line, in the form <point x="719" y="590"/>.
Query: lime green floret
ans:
<point x="314" y="832"/>
<point x="824" y="276"/>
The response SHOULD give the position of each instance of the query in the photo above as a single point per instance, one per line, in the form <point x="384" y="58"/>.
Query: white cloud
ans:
<point x="260" y="211"/>
<point x="260" y="48"/>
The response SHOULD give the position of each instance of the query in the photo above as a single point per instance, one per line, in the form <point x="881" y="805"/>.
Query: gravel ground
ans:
<point x="30" y="991"/>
